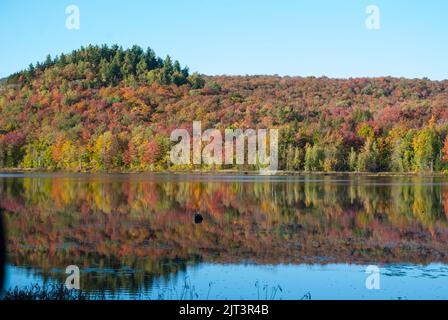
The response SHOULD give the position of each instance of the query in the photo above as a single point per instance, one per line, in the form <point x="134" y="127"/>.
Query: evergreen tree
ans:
<point x="48" y="61"/>
<point x="114" y="70"/>
<point x="151" y="59"/>
<point x="176" y="66"/>
<point x="126" y="68"/>
<point x="62" y="62"/>
<point x="167" y="73"/>
<point x="142" y="68"/>
<point x="104" y="74"/>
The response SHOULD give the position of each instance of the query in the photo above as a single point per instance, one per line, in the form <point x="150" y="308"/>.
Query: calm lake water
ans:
<point x="285" y="237"/>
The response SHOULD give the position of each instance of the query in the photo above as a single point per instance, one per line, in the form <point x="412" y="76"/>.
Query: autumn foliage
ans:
<point x="101" y="108"/>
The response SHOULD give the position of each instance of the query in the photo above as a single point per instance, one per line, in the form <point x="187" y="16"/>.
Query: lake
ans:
<point x="204" y="236"/>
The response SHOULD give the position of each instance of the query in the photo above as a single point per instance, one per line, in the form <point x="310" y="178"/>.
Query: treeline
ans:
<point x="97" y="66"/>
<point x="401" y="150"/>
<point x="414" y="150"/>
<point x="102" y="108"/>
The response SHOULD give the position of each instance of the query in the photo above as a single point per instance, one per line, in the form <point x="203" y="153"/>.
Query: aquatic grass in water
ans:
<point x="189" y="292"/>
<point x="49" y="292"/>
<point x="186" y="292"/>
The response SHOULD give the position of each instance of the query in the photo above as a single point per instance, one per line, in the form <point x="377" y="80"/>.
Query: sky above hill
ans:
<point x="285" y="37"/>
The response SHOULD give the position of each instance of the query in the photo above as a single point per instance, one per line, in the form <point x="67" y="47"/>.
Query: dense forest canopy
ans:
<point x="95" y="66"/>
<point x="105" y="108"/>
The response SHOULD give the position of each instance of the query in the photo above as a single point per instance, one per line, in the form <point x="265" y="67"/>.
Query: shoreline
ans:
<point x="224" y="172"/>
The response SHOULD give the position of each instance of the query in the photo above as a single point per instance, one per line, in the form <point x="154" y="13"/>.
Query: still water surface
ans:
<point x="284" y="237"/>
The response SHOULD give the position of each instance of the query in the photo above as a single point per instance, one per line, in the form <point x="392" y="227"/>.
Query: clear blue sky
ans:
<point x="286" y="37"/>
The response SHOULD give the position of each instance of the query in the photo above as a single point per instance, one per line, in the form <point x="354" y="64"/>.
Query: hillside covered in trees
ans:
<point x="105" y="108"/>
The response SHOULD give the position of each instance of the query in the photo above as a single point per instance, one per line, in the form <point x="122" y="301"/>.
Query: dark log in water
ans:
<point x="198" y="218"/>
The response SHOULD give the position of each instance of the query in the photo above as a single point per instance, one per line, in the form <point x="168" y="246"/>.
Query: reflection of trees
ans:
<point x="147" y="224"/>
<point x="111" y="274"/>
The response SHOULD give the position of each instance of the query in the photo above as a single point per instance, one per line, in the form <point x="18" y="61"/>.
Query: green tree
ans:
<point x="426" y="146"/>
<point x="104" y="72"/>
<point x="402" y="157"/>
<point x="167" y="71"/>
<point x="314" y="158"/>
<point x="142" y="69"/>
<point x="369" y="157"/>
<point x="196" y="81"/>
<point x="126" y="67"/>
<point x="114" y="69"/>
<point x="353" y="160"/>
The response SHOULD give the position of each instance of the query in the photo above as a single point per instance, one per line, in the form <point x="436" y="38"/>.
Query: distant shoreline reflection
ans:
<point x="2" y="252"/>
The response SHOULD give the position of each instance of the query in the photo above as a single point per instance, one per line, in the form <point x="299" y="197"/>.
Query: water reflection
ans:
<point x="2" y="252"/>
<point x="144" y="228"/>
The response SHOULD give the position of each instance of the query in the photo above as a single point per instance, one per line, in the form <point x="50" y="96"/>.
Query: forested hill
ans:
<point x="105" y="108"/>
